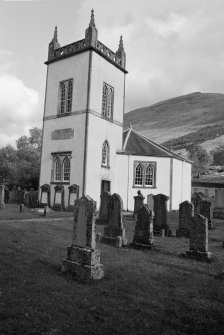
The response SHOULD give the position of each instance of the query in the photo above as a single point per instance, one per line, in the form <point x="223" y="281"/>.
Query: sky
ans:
<point x="173" y="47"/>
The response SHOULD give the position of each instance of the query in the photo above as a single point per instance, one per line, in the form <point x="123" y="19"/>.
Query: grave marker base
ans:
<point x="218" y="213"/>
<point x="183" y="233"/>
<point x="161" y="232"/>
<point x="150" y="245"/>
<point x="84" y="263"/>
<point x="200" y="255"/>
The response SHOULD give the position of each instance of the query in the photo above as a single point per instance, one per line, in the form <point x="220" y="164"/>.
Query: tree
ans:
<point x="21" y="165"/>
<point x="218" y="156"/>
<point x="200" y="157"/>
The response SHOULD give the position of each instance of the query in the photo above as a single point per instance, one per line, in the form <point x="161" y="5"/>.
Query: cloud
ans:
<point x="18" y="109"/>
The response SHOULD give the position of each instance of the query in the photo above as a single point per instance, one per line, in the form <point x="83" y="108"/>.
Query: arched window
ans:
<point x="57" y="169"/>
<point x="62" y="110"/>
<point x="69" y="99"/>
<point x="139" y="175"/>
<point x="105" y="154"/>
<point x="66" y="169"/>
<point x="107" y="101"/>
<point x="149" y="176"/>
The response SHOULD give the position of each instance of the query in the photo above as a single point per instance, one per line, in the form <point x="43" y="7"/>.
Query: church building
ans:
<point x="85" y="150"/>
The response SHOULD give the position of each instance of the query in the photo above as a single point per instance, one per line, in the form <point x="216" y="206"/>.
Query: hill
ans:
<point x="196" y="117"/>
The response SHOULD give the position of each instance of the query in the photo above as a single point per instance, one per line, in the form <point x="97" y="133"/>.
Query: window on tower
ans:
<point x="61" y="162"/>
<point x="66" y="89"/>
<point x="107" y="101"/>
<point x="105" y="154"/>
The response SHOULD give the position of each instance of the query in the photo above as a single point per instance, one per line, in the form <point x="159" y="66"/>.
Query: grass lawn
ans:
<point x="143" y="292"/>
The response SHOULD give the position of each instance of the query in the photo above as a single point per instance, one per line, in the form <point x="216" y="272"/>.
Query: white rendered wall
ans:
<point x="75" y="68"/>
<point x="75" y="145"/>
<point x="162" y="179"/>
<point x="104" y="71"/>
<point x="181" y="180"/>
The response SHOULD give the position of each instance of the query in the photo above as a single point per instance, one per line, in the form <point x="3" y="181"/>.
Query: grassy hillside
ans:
<point x="180" y="116"/>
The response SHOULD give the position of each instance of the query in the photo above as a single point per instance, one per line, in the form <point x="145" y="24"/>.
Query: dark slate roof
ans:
<point x="135" y="143"/>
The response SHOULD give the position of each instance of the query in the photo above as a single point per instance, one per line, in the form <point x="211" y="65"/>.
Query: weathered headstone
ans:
<point x="58" y="198"/>
<point x="198" y="242"/>
<point x="138" y="201"/>
<point x="83" y="259"/>
<point x="2" y="196"/>
<point x="186" y="212"/>
<point x="150" y="202"/>
<point x="32" y="198"/>
<point x="6" y="195"/>
<point x="104" y="208"/>
<point x="114" y="227"/>
<point x="197" y="201"/>
<point x="143" y="227"/>
<point x="13" y="198"/>
<point x="218" y="212"/>
<point x="160" y="212"/>
<point x="45" y="195"/>
<point x="206" y="210"/>
<point x="73" y="196"/>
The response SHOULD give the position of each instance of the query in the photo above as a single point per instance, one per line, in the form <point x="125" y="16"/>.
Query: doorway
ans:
<point x="105" y="186"/>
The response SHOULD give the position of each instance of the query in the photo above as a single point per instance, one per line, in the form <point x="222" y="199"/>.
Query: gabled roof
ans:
<point x="135" y="143"/>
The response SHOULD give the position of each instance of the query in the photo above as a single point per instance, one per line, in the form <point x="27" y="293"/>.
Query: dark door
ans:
<point x="105" y="186"/>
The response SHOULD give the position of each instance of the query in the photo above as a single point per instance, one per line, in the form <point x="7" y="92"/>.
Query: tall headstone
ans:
<point x="197" y="201"/>
<point x="150" y="202"/>
<point x="45" y="195"/>
<point x="186" y="212"/>
<point x="218" y="212"/>
<point x="72" y="196"/>
<point x="13" y="198"/>
<point x="114" y="228"/>
<point x="83" y="259"/>
<point x="138" y="201"/>
<point x="206" y="210"/>
<point x="33" y="198"/>
<point x="198" y="242"/>
<point x="6" y="195"/>
<point x="104" y="208"/>
<point x="58" y="198"/>
<point x="2" y="196"/>
<point x="143" y="227"/>
<point x="160" y="212"/>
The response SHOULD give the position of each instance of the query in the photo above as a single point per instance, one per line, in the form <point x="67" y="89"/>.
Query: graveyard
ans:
<point x="158" y="290"/>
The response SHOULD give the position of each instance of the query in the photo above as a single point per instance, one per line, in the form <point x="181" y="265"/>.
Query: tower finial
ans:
<point x="55" y="38"/>
<point x="92" y="19"/>
<point x="121" y="46"/>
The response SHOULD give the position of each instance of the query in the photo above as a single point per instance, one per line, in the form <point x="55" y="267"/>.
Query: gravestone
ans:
<point x="45" y="195"/>
<point x="218" y="212"/>
<point x="143" y="236"/>
<point x="160" y="212"/>
<point x="206" y="210"/>
<point x="114" y="228"/>
<point x="73" y="196"/>
<point x="198" y="242"/>
<point x="150" y="202"/>
<point x="104" y="208"/>
<point x="197" y="201"/>
<point x="32" y="198"/>
<point x="2" y="196"/>
<point x="19" y="196"/>
<point x="138" y="201"/>
<point x="58" y="198"/>
<point x="13" y="197"/>
<point x="186" y="212"/>
<point x="83" y="259"/>
<point x="6" y="195"/>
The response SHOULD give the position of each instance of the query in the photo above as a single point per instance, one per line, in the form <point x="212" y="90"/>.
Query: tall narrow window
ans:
<point x="107" y="101"/>
<point x="149" y="176"/>
<point x="69" y="100"/>
<point x="62" y="98"/>
<point x="66" y="169"/>
<point x="139" y="175"/>
<point x="66" y="89"/>
<point x="57" y="169"/>
<point x="105" y="154"/>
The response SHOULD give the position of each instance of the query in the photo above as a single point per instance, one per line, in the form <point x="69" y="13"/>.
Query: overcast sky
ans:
<point x="173" y="47"/>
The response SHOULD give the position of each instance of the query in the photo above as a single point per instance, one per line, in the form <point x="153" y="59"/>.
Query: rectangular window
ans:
<point x="65" y="96"/>
<point x="144" y="174"/>
<point x="107" y="101"/>
<point x="61" y="163"/>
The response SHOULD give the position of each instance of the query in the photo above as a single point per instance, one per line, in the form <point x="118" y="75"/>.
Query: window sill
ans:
<point x="64" y="114"/>
<point x="145" y="187"/>
<point x="60" y="182"/>
<point x="105" y="167"/>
